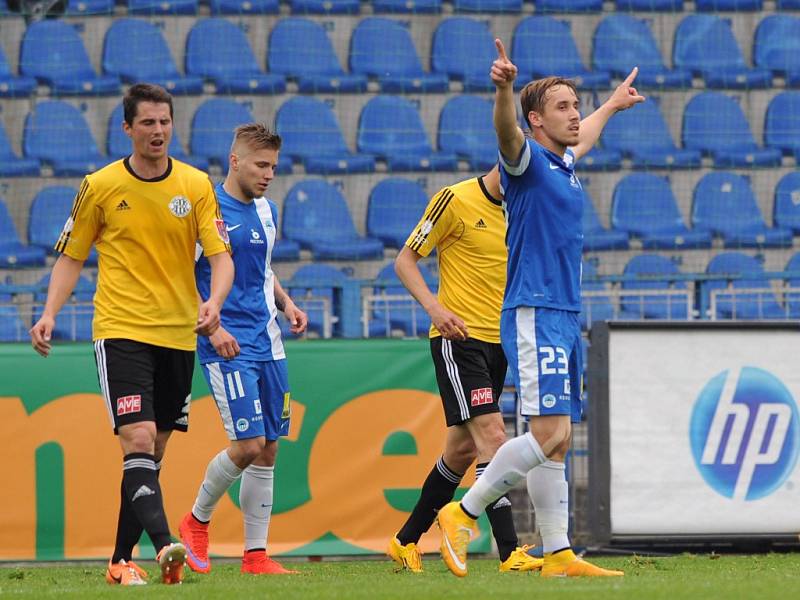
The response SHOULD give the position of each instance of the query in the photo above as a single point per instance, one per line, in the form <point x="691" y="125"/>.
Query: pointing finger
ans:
<point x="501" y="50"/>
<point x="629" y="79"/>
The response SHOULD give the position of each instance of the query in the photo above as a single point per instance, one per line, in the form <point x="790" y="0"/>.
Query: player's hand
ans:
<point x="224" y="343"/>
<point x="41" y="333"/>
<point x="626" y="95"/>
<point x="503" y="72"/>
<point x="450" y="325"/>
<point x="298" y="320"/>
<point x="207" y="318"/>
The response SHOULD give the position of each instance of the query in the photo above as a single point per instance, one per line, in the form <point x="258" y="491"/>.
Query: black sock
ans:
<point x="502" y="521"/>
<point x="437" y="491"/>
<point x="143" y="492"/>
<point x="129" y="530"/>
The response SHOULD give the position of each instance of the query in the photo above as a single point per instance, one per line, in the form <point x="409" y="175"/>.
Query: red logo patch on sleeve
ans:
<point x="222" y="231"/>
<point x="129" y="404"/>
<point x="481" y="396"/>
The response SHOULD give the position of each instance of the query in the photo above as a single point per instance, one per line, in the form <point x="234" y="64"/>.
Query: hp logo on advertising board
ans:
<point x="745" y="433"/>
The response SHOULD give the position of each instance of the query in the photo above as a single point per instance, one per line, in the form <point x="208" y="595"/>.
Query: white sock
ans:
<point x="220" y="474"/>
<point x="510" y="464"/>
<point x="549" y="492"/>
<point x="255" y="500"/>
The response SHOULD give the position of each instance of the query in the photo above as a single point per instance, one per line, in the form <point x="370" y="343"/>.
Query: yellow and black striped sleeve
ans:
<point x="82" y="226"/>
<point x="210" y="226"/>
<point x="436" y="224"/>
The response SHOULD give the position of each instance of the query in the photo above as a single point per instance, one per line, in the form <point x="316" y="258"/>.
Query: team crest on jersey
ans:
<point x="180" y="206"/>
<point x="222" y="231"/>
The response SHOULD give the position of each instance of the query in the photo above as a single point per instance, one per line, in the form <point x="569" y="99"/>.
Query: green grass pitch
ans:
<point x="688" y="576"/>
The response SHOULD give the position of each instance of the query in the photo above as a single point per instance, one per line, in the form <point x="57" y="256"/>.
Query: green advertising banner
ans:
<point x="367" y="426"/>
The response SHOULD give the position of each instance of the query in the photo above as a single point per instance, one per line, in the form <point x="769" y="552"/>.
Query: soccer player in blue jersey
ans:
<point x="244" y="360"/>
<point x="539" y="326"/>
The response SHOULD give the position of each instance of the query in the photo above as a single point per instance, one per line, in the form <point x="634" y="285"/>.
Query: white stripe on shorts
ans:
<point x="238" y="377"/>
<point x="527" y="361"/>
<point x="102" y="376"/>
<point x="218" y="390"/>
<point x="455" y="378"/>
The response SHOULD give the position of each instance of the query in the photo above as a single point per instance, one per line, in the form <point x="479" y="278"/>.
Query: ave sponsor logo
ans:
<point x="481" y="396"/>
<point x="129" y="404"/>
<point x="745" y="433"/>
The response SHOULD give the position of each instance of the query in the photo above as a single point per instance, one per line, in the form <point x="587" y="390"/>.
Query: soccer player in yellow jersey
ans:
<point x="465" y="223"/>
<point x="144" y="214"/>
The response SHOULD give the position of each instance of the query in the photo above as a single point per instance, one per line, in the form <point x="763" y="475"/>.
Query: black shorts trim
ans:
<point x="470" y="375"/>
<point x="142" y="382"/>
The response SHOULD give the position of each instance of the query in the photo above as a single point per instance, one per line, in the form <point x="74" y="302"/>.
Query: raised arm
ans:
<point x="592" y="126"/>
<point x="510" y="138"/>
<point x="450" y="325"/>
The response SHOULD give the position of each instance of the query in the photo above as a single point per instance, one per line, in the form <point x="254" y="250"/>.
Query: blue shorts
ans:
<point x="252" y="397"/>
<point x="543" y="348"/>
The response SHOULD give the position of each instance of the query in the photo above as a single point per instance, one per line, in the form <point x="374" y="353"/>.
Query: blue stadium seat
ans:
<point x="325" y="7"/>
<point x="487" y="6"/>
<point x="49" y="211"/>
<point x="642" y="134"/>
<point x="53" y="53"/>
<point x="317" y="140"/>
<point x="714" y="124"/>
<point x="600" y="159"/>
<point x="786" y="209"/>
<point x="463" y="49"/>
<point x="74" y="322"/>
<point x="670" y="6"/>
<point x="594" y="307"/>
<point x="777" y="47"/>
<point x="395" y="207"/>
<point x="285" y="251"/>
<point x="644" y="205"/>
<point x="466" y="129"/>
<point x="315" y="281"/>
<point x="12" y="329"/>
<point x="704" y="44"/>
<point x="79" y="8"/>
<point x="793" y="281"/>
<point x="567" y="6"/>
<point x="622" y="42"/>
<point x="13" y="253"/>
<point x="728" y="5"/>
<point x="787" y="4"/>
<point x="12" y="165"/>
<point x="595" y="236"/>
<point x="118" y="144"/>
<point x="724" y="204"/>
<point x="383" y="49"/>
<point x="782" y="124"/>
<point x="300" y="49"/>
<point x="12" y="86"/>
<point x="244" y="7"/>
<point x="543" y="46"/>
<point x="742" y="272"/>
<point x="212" y="129"/>
<point x="4" y="10"/>
<point x="218" y="50"/>
<point x="653" y="272"/>
<point x="136" y="51"/>
<point x="390" y="127"/>
<point x="389" y="315"/>
<point x="315" y="215"/>
<point x="407" y="6"/>
<point x="162" y="7"/>
<point x="57" y="134"/>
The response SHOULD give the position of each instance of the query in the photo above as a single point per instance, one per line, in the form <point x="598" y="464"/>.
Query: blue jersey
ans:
<point x="543" y="200"/>
<point x="249" y="313"/>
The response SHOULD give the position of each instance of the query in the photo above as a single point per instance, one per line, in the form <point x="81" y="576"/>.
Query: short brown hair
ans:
<point x="257" y="136"/>
<point x="144" y="92"/>
<point x="533" y="96"/>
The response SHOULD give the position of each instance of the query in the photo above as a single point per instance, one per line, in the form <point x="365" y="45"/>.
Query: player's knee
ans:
<point x="244" y="452"/>
<point x="459" y="457"/>
<point x="138" y="437"/>
<point x="553" y="435"/>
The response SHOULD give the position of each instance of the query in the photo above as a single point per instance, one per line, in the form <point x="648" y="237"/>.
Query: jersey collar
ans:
<point x="162" y="177"/>
<point x="487" y="194"/>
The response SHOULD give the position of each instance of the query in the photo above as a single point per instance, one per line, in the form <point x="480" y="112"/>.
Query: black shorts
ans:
<point x="470" y="375"/>
<point x="142" y="382"/>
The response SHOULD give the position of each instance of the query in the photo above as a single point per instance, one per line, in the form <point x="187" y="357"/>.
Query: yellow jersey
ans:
<point x="467" y="227"/>
<point x="145" y="231"/>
